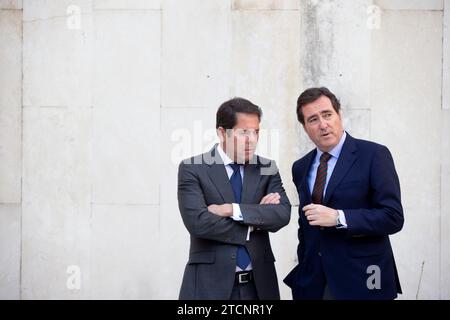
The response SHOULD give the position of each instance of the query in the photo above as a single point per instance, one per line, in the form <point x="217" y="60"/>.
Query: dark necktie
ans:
<point x="243" y="258"/>
<point x="321" y="178"/>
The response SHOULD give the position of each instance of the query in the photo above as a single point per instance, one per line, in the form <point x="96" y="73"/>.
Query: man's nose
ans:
<point x="322" y="123"/>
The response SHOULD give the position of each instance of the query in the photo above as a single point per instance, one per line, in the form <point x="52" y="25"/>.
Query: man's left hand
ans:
<point x="319" y="215"/>
<point x="222" y="210"/>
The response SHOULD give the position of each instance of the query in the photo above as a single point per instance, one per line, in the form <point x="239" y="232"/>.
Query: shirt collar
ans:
<point x="225" y="158"/>
<point x="336" y="151"/>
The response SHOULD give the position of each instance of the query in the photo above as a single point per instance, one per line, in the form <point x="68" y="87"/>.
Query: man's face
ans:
<point x="240" y="142"/>
<point x="322" y="123"/>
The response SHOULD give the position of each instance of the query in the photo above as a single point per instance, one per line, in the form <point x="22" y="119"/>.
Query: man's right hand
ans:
<point x="271" y="198"/>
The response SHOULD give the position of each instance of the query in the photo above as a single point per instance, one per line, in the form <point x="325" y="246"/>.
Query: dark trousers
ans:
<point x="327" y="293"/>
<point x="244" y="291"/>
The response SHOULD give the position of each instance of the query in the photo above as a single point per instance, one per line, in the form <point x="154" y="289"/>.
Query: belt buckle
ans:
<point x="242" y="275"/>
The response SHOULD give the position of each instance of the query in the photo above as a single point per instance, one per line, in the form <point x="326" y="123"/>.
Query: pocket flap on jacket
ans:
<point x="366" y="246"/>
<point x="202" y="257"/>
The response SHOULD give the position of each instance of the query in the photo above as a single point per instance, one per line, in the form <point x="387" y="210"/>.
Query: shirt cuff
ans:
<point x="250" y="229"/>
<point x="342" y="220"/>
<point x="237" y="214"/>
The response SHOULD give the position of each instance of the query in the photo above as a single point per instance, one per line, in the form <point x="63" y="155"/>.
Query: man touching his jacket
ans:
<point x="349" y="205"/>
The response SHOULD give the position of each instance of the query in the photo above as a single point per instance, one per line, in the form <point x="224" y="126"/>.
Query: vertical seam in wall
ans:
<point x="231" y="88"/>
<point x="93" y="44"/>
<point x="440" y="144"/>
<point x="371" y="45"/>
<point x="159" y="208"/>
<point x="440" y="227"/>
<point x="91" y="138"/>
<point x="90" y="157"/>
<point x="160" y="63"/>
<point x="160" y="104"/>
<point x="442" y="57"/>
<point x="90" y="166"/>
<point x="301" y="45"/>
<point x="21" y="163"/>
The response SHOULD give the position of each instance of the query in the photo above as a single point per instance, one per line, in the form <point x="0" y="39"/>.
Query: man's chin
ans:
<point x="326" y="147"/>
<point x="246" y="157"/>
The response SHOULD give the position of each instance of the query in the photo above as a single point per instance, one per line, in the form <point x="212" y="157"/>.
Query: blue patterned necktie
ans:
<point x="243" y="258"/>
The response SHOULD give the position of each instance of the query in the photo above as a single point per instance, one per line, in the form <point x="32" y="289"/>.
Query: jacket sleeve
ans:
<point x="269" y="217"/>
<point x="386" y="215"/>
<point x="300" y="235"/>
<point x="194" y="211"/>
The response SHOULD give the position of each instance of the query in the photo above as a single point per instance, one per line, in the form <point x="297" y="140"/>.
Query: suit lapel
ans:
<point x="218" y="175"/>
<point x="345" y="162"/>
<point x="304" y="180"/>
<point x="251" y="181"/>
<point x="219" y="178"/>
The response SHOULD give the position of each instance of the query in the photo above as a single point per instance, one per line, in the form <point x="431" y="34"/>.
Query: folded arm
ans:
<point x="268" y="216"/>
<point x="199" y="221"/>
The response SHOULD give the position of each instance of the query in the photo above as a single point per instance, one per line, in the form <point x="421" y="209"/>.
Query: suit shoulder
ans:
<point x="303" y="160"/>
<point x="298" y="162"/>
<point x="296" y="165"/>
<point x="367" y="145"/>
<point x="373" y="150"/>
<point x="300" y="166"/>
<point x="268" y="166"/>
<point x="204" y="158"/>
<point x="263" y="161"/>
<point x="190" y="160"/>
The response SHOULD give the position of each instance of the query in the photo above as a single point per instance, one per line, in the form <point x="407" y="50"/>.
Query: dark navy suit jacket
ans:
<point x="357" y="262"/>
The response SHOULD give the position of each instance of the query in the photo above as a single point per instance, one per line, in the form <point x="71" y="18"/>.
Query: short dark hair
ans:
<point x="226" y="114"/>
<point x="311" y="95"/>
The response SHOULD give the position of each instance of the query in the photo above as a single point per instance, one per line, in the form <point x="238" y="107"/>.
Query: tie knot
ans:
<point x="235" y="166"/>
<point x="325" y="157"/>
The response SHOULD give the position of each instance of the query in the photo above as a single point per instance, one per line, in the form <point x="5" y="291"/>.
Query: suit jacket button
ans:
<point x="320" y="254"/>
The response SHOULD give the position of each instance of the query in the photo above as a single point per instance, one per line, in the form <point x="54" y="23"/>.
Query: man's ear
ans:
<point x="221" y="134"/>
